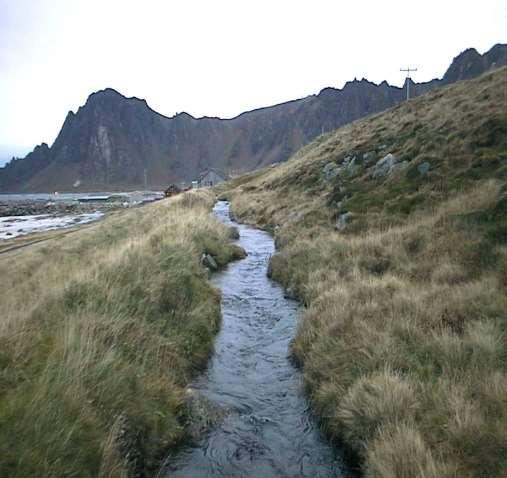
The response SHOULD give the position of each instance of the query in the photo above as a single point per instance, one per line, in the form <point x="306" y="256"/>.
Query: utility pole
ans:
<point x="407" y="81"/>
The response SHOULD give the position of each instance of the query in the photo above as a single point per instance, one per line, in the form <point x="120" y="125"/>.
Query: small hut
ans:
<point x="211" y="177"/>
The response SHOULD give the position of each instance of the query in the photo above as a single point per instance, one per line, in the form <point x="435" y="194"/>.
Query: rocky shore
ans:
<point x="28" y="215"/>
<point x="32" y="207"/>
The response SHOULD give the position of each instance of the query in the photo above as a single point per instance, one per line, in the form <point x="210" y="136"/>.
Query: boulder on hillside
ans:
<point x="330" y="171"/>
<point x="384" y="166"/>
<point x="343" y="220"/>
<point x="351" y="163"/>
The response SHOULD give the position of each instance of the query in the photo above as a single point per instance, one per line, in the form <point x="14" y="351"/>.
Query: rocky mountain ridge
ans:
<point x="114" y="142"/>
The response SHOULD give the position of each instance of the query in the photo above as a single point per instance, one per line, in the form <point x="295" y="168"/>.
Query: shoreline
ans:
<point x="33" y="204"/>
<point x="12" y="227"/>
<point x="23" y="216"/>
<point x="33" y="207"/>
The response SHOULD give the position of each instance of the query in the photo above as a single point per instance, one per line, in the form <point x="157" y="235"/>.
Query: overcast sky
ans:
<point x="217" y="57"/>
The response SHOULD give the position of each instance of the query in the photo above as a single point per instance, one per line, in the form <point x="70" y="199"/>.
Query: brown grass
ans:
<point x="100" y="332"/>
<point x="403" y="341"/>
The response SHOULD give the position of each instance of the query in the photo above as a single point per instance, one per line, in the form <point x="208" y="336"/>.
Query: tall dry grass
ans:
<point x="99" y="333"/>
<point x="403" y="342"/>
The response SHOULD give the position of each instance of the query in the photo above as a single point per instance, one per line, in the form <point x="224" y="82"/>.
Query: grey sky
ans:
<point x="220" y="57"/>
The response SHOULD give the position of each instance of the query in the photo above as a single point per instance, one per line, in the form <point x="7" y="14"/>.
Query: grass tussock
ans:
<point x="100" y="332"/>
<point x="403" y="343"/>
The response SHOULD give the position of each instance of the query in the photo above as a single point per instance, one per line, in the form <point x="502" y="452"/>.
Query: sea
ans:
<point x="14" y="226"/>
<point x="73" y="196"/>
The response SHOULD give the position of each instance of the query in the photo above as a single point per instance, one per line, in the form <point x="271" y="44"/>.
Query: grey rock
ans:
<point x="342" y="221"/>
<point x="352" y="164"/>
<point x="349" y="159"/>
<point x="423" y="168"/>
<point x="330" y="171"/>
<point x="209" y="262"/>
<point x="384" y="166"/>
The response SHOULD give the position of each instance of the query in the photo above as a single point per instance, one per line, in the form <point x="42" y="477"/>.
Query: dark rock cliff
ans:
<point x="114" y="142"/>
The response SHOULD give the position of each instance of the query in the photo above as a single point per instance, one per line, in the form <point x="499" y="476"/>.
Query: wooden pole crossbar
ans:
<point x="407" y="81"/>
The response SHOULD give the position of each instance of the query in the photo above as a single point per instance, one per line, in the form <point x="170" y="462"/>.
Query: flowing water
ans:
<point x="269" y="430"/>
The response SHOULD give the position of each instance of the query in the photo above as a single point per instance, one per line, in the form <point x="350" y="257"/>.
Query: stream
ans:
<point x="268" y="430"/>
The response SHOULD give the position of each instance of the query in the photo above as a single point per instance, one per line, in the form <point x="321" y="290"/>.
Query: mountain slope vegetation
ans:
<point x="393" y="232"/>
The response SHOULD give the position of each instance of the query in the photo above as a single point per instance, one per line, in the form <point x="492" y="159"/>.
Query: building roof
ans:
<point x="218" y="172"/>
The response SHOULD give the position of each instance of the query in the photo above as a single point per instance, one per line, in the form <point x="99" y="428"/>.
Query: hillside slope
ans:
<point x="115" y="143"/>
<point x="393" y="231"/>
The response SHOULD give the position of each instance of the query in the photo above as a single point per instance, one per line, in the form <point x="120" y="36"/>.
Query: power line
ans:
<point x="407" y="81"/>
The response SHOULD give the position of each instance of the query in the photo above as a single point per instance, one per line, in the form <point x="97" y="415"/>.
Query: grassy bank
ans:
<point x="404" y="276"/>
<point x="100" y="332"/>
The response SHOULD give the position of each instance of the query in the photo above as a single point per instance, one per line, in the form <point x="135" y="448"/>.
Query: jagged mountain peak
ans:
<point x="183" y="116"/>
<point x="105" y="94"/>
<point x="109" y="97"/>
<point x="326" y="91"/>
<point x="42" y="146"/>
<point x="354" y="85"/>
<point x="469" y="52"/>
<point x="497" y="55"/>
<point x="470" y="63"/>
